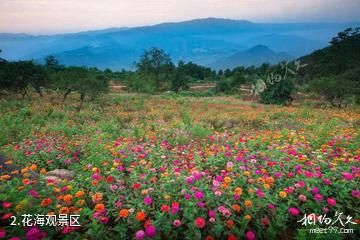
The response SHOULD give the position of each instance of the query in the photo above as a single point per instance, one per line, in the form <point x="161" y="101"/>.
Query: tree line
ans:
<point x="332" y="72"/>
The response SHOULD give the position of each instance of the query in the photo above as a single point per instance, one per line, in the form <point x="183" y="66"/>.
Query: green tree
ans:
<point x="155" y="65"/>
<point x="180" y="79"/>
<point x="278" y="92"/>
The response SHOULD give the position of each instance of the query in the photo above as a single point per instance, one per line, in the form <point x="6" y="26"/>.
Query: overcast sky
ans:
<point x="58" y="16"/>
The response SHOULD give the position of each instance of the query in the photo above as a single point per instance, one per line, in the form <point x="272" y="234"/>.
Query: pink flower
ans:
<point x="200" y="222"/>
<point x="177" y="223"/>
<point x="190" y="180"/>
<point x="318" y="197"/>
<point x="150" y="231"/>
<point x="2" y="233"/>
<point x="139" y="235"/>
<point x="34" y="193"/>
<point x="355" y="193"/>
<point x="147" y="200"/>
<point x="250" y="235"/>
<point x="211" y="213"/>
<point x="216" y="183"/>
<point x="347" y="176"/>
<point x="199" y="195"/>
<point x="302" y="198"/>
<point x="294" y="211"/>
<point x="7" y="204"/>
<point x="331" y="202"/>
<point x="327" y="181"/>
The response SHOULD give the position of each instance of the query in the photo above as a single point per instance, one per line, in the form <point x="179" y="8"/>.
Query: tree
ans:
<point x="180" y="79"/>
<point x="278" y="92"/>
<point x="337" y="89"/>
<point x="155" y="65"/>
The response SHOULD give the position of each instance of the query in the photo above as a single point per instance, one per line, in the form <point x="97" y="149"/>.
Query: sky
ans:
<point x="63" y="16"/>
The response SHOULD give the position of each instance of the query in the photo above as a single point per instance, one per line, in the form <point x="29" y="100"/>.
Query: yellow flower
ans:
<point x="266" y="186"/>
<point x="282" y="194"/>
<point x="167" y="197"/>
<point x="227" y="179"/>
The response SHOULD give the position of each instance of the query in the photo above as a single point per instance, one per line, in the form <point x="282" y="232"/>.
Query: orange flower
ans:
<point x="46" y="202"/>
<point x="236" y="207"/>
<point x="80" y="202"/>
<point x="67" y="198"/>
<point x="227" y="179"/>
<point x="26" y="181"/>
<point x="124" y="213"/>
<point x="33" y="167"/>
<point x="247" y="217"/>
<point x="43" y="171"/>
<point x="99" y="207"/>
<point x="260" y="180"/>
<point x="266" y="186"/>
<point x="248" y="203"/>
<point x="282" y="194"/>
<point x="5" y="177"/>
<point x="140" y="216"/>
<point x="79" y="194"/>
<point x="230" y="223"/>
<point x="97" y="197"/>
<point x="269" y="180"/>
<point x="64" y="210"/>
<point x="238" y="190"/>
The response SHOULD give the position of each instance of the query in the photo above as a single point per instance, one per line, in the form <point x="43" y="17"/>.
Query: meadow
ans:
<point x="176" y="167"/>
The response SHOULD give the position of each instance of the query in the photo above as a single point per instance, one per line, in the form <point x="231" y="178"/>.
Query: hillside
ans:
<point x="254" y="56"/>
<point x="202" y="41"/>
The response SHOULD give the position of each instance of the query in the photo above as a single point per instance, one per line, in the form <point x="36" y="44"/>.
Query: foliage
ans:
<point x="278" y="92"/>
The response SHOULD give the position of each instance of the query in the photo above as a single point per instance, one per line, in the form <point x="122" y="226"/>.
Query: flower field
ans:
<point x="165" y="167"/>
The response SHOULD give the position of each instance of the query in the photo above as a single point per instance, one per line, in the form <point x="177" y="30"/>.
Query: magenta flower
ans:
<point x="318" y="197"/>
<point x="347" y="176"/>
<point x="199" y="195"/>
<point x="331" y="201"/>
<point x="150" y="231"/>
<point x="147" y="200"/>
<point x="294" y="211"/>
<point x="355" y="193"/>
<point x="250" y="235"/>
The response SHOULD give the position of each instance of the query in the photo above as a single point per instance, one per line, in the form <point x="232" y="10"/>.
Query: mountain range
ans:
<point x="213" y="42"/>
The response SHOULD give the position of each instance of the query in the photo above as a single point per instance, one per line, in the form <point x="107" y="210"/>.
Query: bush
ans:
<point x="278" y="93"/>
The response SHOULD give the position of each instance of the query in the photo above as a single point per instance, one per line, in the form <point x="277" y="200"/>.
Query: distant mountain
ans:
<point x="254" y="56"/>
<point x="203" y="41"/>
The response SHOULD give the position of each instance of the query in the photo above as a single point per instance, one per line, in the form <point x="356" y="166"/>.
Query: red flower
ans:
<point x="200" y="222"/>
<point x="110" y="179"/>
<point x="164" y="208"/>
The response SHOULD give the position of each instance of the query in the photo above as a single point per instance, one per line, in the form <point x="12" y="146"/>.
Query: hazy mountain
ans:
<point x="254" y="56"/>
<point x="203" y="41"/>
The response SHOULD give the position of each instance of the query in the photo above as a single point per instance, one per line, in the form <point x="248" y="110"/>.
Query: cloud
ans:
<point x="46" y="16"/>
